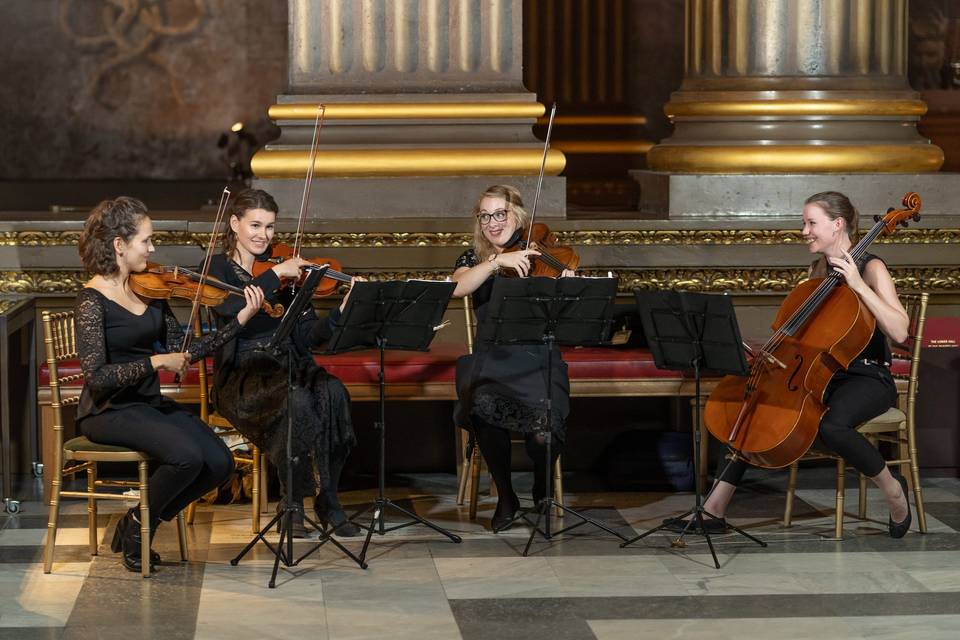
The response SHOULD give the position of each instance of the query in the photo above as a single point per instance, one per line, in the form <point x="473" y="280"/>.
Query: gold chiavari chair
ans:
<point x="59" y="337"/>
<point x="896" y="426"/>
<point x="256" y="461"/>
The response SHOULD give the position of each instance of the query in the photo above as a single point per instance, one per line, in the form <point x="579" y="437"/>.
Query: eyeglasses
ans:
<point x="500" y="215"/>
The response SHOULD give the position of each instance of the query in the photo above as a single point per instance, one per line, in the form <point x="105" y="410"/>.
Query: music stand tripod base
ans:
<point x="691" y="332"/>
<point x="283" y="551"/>
<point x="395" y="315"/>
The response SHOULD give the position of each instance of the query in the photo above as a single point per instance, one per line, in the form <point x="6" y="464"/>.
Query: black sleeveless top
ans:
<point x="878" y="349"/>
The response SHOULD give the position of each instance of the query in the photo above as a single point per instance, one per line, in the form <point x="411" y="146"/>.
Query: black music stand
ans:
<point x="693" y="332"/>
<point x="549" y="311"/>
<point x="391" y="315"/>
<point x="279" y="344"/>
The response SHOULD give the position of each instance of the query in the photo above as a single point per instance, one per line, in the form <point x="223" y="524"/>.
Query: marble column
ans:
<point x="425" y="106"/>
<point x="795" y="86"/>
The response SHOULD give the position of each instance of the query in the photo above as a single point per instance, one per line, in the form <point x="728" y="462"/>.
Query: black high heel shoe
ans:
<point x="899" y="529"/>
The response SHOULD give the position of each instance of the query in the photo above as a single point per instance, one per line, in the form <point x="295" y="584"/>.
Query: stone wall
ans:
<point x="92" y="92"/>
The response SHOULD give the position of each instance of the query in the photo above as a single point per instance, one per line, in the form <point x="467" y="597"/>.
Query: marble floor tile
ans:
<point x="511" y="577"/>
<point x="30" y="598"/>
<point x="38" y="537"/>
<point x="724" y="629"/>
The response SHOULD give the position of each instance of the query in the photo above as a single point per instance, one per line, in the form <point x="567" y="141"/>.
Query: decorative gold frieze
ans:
<point x="735" y="280"/>
<point x="585" y="237"/>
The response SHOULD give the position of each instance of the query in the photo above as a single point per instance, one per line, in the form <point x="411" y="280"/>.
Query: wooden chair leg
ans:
<point x="255" y="489"/>
<point x="144" y="519"/>
<point x="474" y="482"/>
<point x="558" y="487"/>
<point x="791" y="490"/>
<point x="838" y="516"/>
<point x="92" y="509"/>
<point x="191" y="512"/>
<point x="54" y="514"/>
<point x="182" y="536"/>
<point x="463" y="479"/>
<point x="915" y="478"/>
<point x="264" y="479"/>
<point x="862" y="497"/>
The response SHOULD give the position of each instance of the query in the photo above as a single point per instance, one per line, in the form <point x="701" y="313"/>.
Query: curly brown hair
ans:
<point x="117" y="218"/>
<point x="244" y="201"/>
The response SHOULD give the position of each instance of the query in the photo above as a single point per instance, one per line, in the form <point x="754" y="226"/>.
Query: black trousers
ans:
<point x="495" y="445"/>
<point x="188" y="458"/>
<point x="853" y="396"/>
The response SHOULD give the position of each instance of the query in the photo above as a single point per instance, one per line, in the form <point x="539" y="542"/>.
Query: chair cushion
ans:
<point x="82" y="444"/>
<point x="891" y="416"/>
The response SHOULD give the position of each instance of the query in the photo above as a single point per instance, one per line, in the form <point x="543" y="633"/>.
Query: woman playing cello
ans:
<point x="862" y="391"/>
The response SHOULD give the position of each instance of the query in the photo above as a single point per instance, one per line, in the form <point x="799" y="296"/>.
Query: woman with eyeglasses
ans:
<point x="502" y="389"/>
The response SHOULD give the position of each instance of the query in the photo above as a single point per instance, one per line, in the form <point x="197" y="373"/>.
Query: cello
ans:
<point x="771" y="417"/>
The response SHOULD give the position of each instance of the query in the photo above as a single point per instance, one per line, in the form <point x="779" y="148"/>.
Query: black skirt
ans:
<point x="506" y="387"/>
<point x="252" y="395"/>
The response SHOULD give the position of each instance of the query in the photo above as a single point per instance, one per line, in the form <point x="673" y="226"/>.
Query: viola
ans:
<point x="771" y="417"/>
<point x="162" y="282"/>
<point x="554" y="257"/>
<point x="278" y="252"/>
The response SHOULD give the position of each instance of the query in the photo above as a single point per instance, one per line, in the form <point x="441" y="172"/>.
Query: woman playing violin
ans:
<point x="123" y="341"/>
<point x="501" y="389"/>
<point x="866" y="388"/>
<point x="251" y="384"/>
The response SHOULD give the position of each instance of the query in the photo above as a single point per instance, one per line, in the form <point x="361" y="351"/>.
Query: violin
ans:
<point x="278" y="252"/>
<point x="771" y="417"/>
<point x="554" y="257"/>
<point x="162" y="282"/>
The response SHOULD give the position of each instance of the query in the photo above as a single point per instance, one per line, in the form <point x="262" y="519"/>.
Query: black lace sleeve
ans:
<point x="467" y="259"/>
<point x="99" y="375"/>
<point x="200" y="348"/>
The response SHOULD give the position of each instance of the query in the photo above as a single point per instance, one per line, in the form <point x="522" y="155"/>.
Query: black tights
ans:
<point x="495" y="445"/>
<point x="853" y="397"/>
<point x="188" y="459"/>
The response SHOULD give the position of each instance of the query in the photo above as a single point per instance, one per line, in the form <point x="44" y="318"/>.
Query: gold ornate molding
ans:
<point x="408" y="111"/>
<point x="584" y="237"/>
<point x="369" y="162"/>
<point x="783" y="158"/>
<point x="853" y="107"/>
<point x="734" y="280"/>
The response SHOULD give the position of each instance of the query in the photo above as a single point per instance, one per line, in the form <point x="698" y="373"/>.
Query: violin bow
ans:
<point x="543" y="166"/>
<point x="204" y="273"/>
<point x="308" y="182"/>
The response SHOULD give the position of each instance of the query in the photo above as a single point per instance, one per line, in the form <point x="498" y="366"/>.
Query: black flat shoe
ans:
<point x="899" y="529"/>
<point x="507" y="508"/>
<point x="711" y="525"/>
<point x="333" y="517"/>
<point x="297" y="528"/>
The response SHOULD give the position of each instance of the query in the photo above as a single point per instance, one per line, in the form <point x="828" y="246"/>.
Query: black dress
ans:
<point x="506" y="385"/>
<point x="251" y="388"/>
<point x="121" y="402"/>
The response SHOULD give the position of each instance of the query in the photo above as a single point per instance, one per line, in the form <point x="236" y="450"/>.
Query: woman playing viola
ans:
<point x="123" y="341"/>
<point x="502" y="389"/>
<point x="866" y="388"/>
<point x="251" y="385"/>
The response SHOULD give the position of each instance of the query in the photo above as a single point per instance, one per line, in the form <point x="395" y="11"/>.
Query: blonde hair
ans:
<point x="481" y="246"/>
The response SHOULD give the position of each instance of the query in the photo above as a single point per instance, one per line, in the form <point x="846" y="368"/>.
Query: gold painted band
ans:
<point x="574" y="147"/>
<point x="762" y="159"/>
<point x="595" y="120"/>
<point x="406" y="162"/>
<point x="908" y="108"/>
<point x="409" y="111"/>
